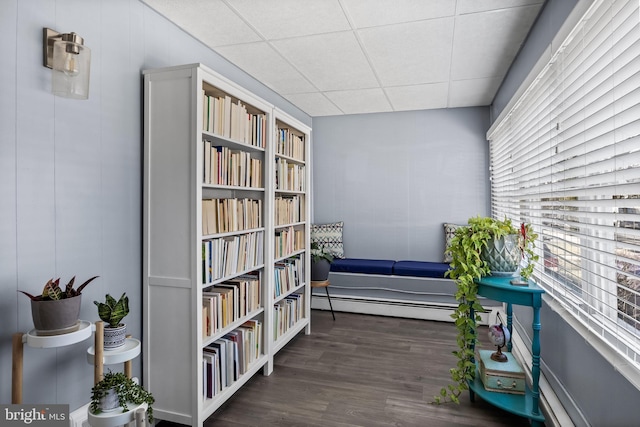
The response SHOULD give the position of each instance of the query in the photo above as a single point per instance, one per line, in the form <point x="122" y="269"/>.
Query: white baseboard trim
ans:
<point x="392" y="308"/>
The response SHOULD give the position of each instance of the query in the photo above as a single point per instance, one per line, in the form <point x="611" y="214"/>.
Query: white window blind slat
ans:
<point x="567" y="160"/>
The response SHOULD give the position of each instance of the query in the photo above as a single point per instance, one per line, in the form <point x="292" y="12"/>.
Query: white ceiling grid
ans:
<point x="333" y="57"/>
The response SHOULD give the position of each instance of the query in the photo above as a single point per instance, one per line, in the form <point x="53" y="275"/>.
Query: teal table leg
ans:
<point x="509" y="323"/>
<point x="535" y="365"/>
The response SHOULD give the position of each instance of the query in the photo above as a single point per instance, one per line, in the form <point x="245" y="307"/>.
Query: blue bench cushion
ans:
<point x="364" y="266"/>
<point x="420" y="269"/>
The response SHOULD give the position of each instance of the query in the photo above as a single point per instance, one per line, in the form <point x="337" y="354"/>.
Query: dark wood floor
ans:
<point x="360" y="370"/>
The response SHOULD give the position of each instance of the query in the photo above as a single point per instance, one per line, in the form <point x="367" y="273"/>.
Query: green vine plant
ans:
<point x="127" y="390"/>
<point x="466" y="267"/>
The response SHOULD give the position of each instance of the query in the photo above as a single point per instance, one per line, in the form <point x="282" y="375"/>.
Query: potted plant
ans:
<point x="56" y="311"/>
<point x="112" y="312"/>
<point x="321" y="258"/>
<point x="471" y="261"/>
<point x="116" y="390"/>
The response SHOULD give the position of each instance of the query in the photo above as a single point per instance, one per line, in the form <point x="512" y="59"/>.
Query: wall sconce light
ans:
<point x="70" y="62"/>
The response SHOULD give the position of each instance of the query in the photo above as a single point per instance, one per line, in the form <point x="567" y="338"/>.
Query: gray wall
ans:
<point x="70" y="171"/>
<point x="591" y="389"/>
<point x="394" y="178"/>
<point x="549" y="21"/>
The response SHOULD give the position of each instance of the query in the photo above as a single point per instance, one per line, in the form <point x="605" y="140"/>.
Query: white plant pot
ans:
<point x="115" y="337"/>
<point x="109" y="402"/>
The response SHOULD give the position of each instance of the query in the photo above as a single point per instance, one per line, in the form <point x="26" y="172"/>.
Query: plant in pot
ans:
<point x="321" y="258"/>
<point x="472" y="259"/>
<point x="112" y="312"/>
<point x="116" y="390"/>
<point x="56" y="311"/>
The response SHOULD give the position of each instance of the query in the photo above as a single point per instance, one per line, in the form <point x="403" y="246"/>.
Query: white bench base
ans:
<point x="395" y="308"/>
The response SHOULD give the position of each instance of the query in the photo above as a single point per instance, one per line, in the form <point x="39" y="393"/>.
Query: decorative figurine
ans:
<point x="499" y="336"/>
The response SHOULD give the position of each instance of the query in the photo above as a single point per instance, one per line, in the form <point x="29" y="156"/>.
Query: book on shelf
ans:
<point x="288" y="209"/>
<point x="256" y="326"/>
<point x="289" y="274"/>
<point x="225" y="166"/>
<point x="230" y="215"/>
<point x="237" y="338"/>
<point x="289" y="176"/>
<point x="229" y="357"/>
<point x="289" y="143"/>
<point x="223" y="347"/>
<point x="211" y="378"/>
<point x="229" y="118"/>
<point x="288" y="240"/>
<point x="230" y="352"/>
<point x="287" y="313"/>
<point x="212" y="304"/>
<point x="220" y="346"/>
<point x="231" y="300"/>
<point x="229" y="255"/>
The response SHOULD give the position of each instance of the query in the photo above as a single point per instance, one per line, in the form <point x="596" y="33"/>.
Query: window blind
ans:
<point x="566" y="159"/>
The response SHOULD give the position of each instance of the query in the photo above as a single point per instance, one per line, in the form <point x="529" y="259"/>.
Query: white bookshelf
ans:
<point x="178" y="182"/>
<point x="292" y="132"/>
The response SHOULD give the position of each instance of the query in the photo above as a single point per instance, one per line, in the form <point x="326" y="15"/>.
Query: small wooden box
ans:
<point x="503" y="377"/>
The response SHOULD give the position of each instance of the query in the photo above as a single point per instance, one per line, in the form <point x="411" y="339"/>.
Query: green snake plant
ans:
<point x="112" y="311"/>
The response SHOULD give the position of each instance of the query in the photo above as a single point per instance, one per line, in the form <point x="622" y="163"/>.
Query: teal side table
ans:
<point x="527" y="405"/>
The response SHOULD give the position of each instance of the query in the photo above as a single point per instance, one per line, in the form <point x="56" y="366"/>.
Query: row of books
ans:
<point x="222" y="116"/>
<point x="289" y="144"/>
<point x="229" y="215"/>
<point x="289" y="274"/>
<point x="229" y="255"/>
<point x="229" y="357"/>
<point x="287" y="241"/>
<point x="224" y="166"/>
<point x="287" y="313"/>
<point x="226" y="302"/>
<point x="288" y="209"/>
<point x="289" y="176"/>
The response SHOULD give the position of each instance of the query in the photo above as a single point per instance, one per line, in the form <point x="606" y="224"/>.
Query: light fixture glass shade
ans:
<point x="70" y="68"/>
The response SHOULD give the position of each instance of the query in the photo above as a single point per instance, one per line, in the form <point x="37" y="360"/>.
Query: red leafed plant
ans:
<point x="52" y="290"/>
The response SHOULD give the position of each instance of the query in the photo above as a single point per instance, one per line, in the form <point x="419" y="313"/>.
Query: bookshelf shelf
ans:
<point x="209" y="236"/>
<point x="290" y="297"/>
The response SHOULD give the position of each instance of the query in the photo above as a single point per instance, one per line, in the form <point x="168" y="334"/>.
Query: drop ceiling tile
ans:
<point x="418" y="97"/>
<point x="360" y="101"/>
<point x="473" y="6"/>
<point x="277" y="19"/>
<point x="485" y="44"/>
<point x="309" y="53"/>
<point x="314" y="104"/>
<point x="330" y="61"/>
<point x="413" y="53"/>
<point x="210" y="21"/>
<point x="372" y="13"/>
<point x="266" y="65"/>
<point x="471" y="93"/>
